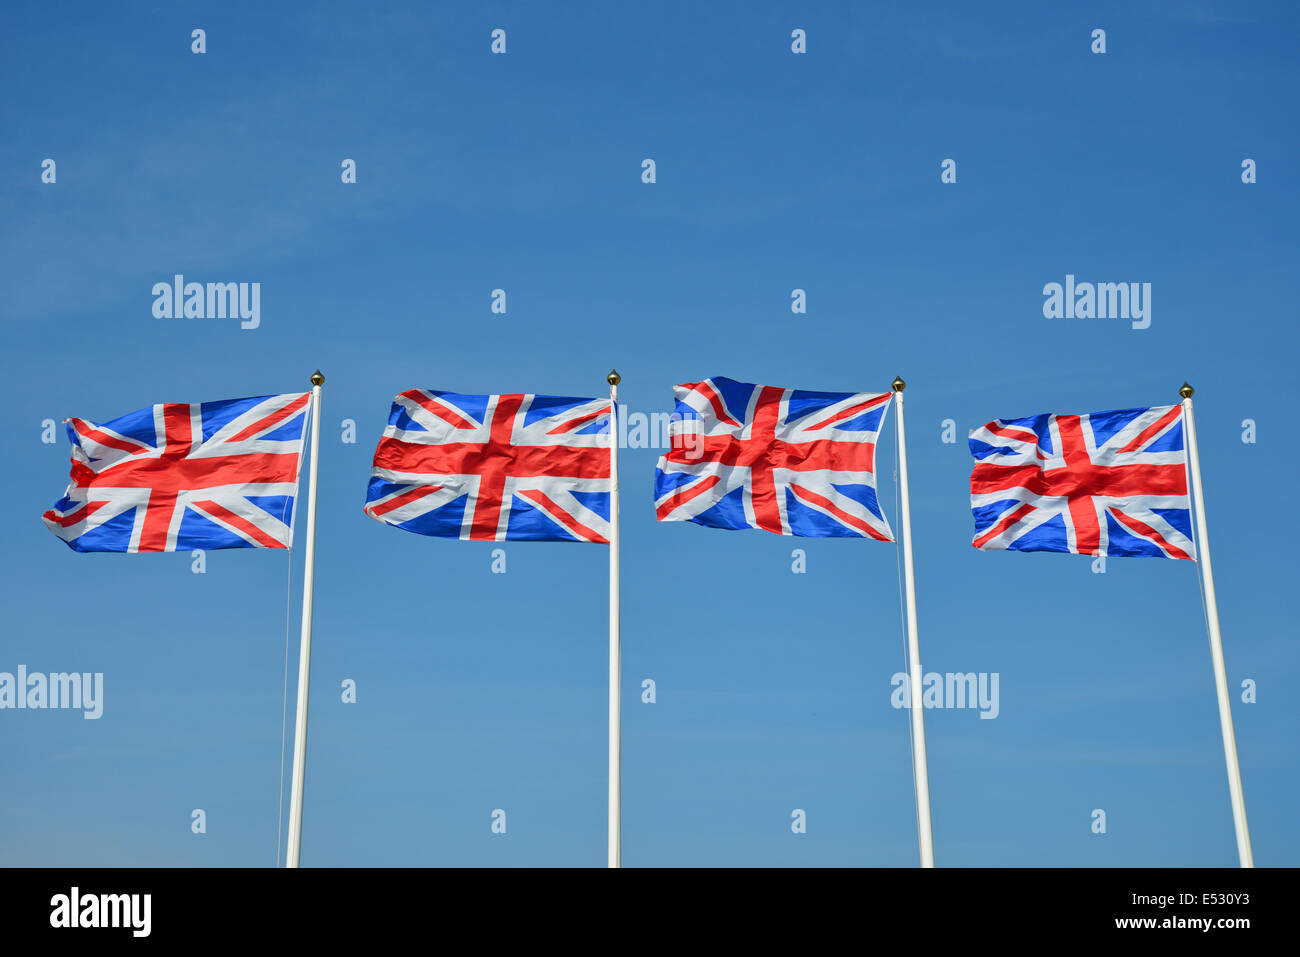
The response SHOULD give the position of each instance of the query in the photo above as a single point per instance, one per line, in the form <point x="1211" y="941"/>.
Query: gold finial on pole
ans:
<point x="613" y="378"/>
<point x="899" y="384"/>
<point x="317" y="378"/>
<point x="1186" y="391"/>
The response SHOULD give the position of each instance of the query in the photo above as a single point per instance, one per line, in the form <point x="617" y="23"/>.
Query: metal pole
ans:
<point x="304" y="653"/>
<point x="615" y="650"/>
<point x="919" y="764"/>
<point x="1244" y="853"/>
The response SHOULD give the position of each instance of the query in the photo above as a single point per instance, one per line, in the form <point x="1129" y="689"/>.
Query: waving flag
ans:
<point x="786" y="460"/>
<point x="1109" y="483"/>
<point x="494" y="467"/>
<point x="175" y="477"/>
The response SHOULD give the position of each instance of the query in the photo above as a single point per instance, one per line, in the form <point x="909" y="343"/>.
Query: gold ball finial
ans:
<point x="1186" y="391"/>
<point x="613" y="378"/>
<point x="317" y="378"/>
<point x="899" y="384"/>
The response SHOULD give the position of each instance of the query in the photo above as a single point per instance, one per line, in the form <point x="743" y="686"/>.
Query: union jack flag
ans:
<point x="494" y="467"/>
<point x="1109" y="483"/>
<point x="174" y="477"/>
<point x="785" y="460"/>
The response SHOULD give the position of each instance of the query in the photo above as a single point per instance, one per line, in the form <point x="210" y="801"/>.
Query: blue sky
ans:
<point x="775" y="171"/>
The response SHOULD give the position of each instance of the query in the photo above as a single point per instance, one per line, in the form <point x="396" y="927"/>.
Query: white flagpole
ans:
<point x="1244" y="853"/>
<point x="919" y="764"/>
<point x="615" y="651"/>
<point x="304" y="654"/>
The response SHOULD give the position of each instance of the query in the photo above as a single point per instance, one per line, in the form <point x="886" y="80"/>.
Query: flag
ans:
<point x="174" y="477"/>
<point x="1109" y="483"/>
<point x="786" y="460"/>
<point x="494" y="467"/>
